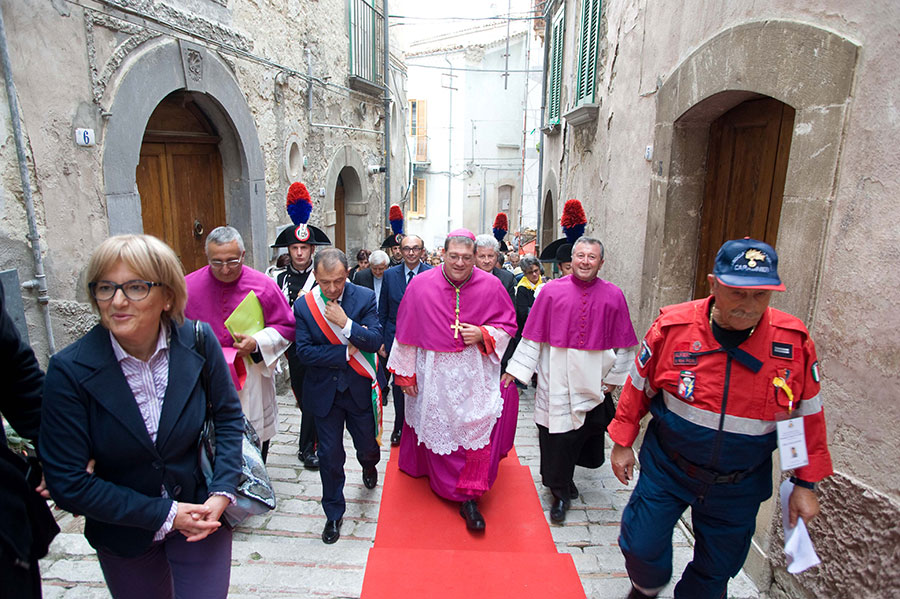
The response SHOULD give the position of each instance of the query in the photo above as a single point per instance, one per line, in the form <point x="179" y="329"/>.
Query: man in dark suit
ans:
<point x="335" y="326"/>
<point x="487" y="256"/>
<point x="487" y="253"/>
<point x="396" y="279"/>
<point x="373" y="277"/>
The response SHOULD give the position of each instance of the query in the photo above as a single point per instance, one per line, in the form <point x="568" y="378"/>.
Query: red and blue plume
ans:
<point x="299" y="204"/>
<point x="573" y="220"/>
<point x="396" y="218"/>
<point x="501" y="226"/>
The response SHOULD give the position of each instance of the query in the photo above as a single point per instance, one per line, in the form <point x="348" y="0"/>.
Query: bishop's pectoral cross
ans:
<point x="456" y="326"/>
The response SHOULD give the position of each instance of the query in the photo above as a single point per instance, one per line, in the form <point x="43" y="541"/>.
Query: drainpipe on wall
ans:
<point x="540" y="197"/>
<point x="40" y="279"/>
<point x="387" y="118"/>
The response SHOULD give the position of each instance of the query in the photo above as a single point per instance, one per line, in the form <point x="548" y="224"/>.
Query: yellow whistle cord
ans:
<point x="780" y="383"/>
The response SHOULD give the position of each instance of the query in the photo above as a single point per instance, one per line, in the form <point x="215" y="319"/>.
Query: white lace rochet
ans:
<point x="459" y="400"/>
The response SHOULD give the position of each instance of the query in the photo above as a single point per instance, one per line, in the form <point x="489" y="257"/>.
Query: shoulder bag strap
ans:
<point x="200" y="348"/>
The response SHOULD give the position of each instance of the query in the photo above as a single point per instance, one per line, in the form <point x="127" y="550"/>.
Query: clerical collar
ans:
<point x="452" y="282"/>
<point x="585" y="284"/>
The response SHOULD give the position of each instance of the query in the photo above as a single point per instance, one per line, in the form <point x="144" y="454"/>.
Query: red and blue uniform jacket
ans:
<point x="717" y="408"/>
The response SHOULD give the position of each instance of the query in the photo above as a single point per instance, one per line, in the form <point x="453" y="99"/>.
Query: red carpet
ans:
<point x="422" y="547"/>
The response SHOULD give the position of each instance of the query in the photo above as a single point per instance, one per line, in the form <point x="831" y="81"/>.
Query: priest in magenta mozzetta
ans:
<point x="580" y="340"/>
<point x="453" y="326"/>
<point x="214" y="292"/>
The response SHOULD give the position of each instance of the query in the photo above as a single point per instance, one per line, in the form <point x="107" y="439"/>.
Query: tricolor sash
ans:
<point x="364" y="363"/>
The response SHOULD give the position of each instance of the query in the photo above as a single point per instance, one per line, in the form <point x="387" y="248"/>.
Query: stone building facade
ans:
<point x="681" y="124"/>
<point x="476" y="106"/>
<point x="201" y="113"/>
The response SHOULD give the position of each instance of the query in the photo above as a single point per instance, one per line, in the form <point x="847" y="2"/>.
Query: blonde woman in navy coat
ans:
<point x="128" y="399"/>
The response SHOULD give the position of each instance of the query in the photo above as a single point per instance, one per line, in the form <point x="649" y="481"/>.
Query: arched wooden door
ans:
<point x="548" y="223"/>
<point x="340" y="225"/>
<point x="179" y="178"/>
<point x="746" y="169"/>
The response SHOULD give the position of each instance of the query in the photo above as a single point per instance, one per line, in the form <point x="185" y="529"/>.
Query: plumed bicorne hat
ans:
<point x="573" y="222"/>
<point x="395" y="216"/>
<point x="501" y="227"/>
<point x="299" y="207"/>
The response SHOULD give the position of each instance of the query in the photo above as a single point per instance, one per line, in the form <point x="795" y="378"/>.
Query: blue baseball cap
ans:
<point x="749" y="264"/>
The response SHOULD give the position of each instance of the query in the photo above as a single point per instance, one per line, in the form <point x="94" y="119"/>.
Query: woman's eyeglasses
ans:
<point x="135" y="290"/>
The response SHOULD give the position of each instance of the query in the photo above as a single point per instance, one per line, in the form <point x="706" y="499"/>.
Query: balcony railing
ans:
<point x="366" y="45"/>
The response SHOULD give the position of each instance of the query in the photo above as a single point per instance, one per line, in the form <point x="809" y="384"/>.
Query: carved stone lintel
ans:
<point x="101" y="74"/>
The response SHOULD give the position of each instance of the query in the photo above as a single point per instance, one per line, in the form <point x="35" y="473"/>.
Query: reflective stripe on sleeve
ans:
<point x="639" y="382"/>
<point x="810" y="406"/>
<point x="731" y="424"/>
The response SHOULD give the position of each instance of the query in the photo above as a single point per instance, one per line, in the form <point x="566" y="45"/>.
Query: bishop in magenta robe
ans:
<point x="453" y="326"/>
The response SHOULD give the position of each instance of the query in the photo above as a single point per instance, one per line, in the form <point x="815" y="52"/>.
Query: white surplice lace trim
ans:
<point x="459" y="400"/>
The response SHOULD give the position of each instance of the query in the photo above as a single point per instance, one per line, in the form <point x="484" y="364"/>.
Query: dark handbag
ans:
<point x="28" y="538"/>
<point x="255" y="494"/>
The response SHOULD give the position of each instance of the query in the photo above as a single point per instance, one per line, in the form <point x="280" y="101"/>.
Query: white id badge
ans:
<point x="791" y="443"/>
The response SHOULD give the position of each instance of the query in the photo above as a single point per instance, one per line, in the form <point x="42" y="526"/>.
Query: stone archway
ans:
<point x="153" y="71"/>
<point x="807" y="68"/>
<point x="347" y="166"/>
<point x="547" y="222"/>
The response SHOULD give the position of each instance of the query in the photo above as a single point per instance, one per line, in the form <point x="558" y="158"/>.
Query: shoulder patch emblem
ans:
<point x="686" y="385"/>
<point x="815" y="371"/>
<point x="645" y="354"/>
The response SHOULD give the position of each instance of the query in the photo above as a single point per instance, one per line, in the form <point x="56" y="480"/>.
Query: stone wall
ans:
<point x="666" y="71"/>
<point x="70" y="64"/>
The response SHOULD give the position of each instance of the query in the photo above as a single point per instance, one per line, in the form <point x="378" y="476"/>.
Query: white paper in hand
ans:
<point x="798" y="547"/>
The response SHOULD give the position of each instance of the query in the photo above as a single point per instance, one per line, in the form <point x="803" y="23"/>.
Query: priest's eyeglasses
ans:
<point x="135" y="290"/>
<point x="220" y="264"/>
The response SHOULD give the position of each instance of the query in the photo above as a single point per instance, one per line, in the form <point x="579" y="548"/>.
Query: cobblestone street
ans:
<point x="281" y="553"/>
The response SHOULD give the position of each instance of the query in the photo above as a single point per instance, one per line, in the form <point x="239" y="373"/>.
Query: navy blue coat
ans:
<point x="90" y="412"/>
<point x="327" y="370"/>
<point x="392" y="289"/>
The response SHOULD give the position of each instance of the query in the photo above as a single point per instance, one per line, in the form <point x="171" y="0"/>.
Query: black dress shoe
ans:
<point x="311" y="461"/>
<point x="474" y="519"/>
<point x="395" y="438"/>
<point x="573" y="490"/>
<point x="558" y="511"/>
<point x="332" y="531"/>
<point x="370" y="477"/>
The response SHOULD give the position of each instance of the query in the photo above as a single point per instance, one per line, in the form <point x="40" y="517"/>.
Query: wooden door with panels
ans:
<point x="746" y="169"/>
<point x="340" y="227"/>
<point x="180" y="179"/>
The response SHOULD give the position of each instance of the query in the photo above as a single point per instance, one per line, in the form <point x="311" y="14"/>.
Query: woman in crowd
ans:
<point x="527" y="288"/>
<point x="529" y="285"/>
<point x="122" y="414"/>
<point x="362" y="263"/>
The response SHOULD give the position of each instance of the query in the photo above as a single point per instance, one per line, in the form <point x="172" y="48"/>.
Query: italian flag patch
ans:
<point x="815" y="371"/>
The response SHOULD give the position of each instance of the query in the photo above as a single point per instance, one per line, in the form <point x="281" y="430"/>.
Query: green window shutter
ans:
<point x="554" y="86"/>
<point x="587" y="51"/>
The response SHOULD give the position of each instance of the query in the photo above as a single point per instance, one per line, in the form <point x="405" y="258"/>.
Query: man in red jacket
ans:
<point x="716" y="374"/>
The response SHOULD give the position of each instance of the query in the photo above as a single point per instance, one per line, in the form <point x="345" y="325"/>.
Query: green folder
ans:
<point x="247" y="318"/>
